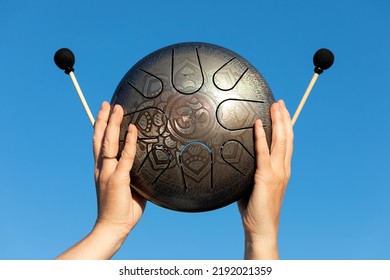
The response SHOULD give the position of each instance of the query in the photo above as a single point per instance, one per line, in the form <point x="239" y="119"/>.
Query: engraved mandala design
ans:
<point x="194" y="105"/>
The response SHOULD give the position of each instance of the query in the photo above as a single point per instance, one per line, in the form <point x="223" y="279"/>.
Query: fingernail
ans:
<point x="132" y="129"/>
<point x="282" y="104"/>
<point x="116" y="107"/>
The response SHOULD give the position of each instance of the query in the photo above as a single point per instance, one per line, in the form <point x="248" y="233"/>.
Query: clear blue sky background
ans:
<point x="337" y="203"/>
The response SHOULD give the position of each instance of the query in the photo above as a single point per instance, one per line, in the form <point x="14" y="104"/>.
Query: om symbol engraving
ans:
<point x="190" y="116"/>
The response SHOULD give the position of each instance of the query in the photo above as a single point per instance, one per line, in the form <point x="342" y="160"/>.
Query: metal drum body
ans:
<point x="194" y="105"/>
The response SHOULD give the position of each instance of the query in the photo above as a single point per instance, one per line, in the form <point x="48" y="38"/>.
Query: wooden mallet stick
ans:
<point x="323" y="59"/>
<point x="64" y="59"/>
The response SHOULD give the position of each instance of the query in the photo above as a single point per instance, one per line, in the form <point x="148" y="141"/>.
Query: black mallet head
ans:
<point x="64" y="59"/>
<point x="323" y="59"/>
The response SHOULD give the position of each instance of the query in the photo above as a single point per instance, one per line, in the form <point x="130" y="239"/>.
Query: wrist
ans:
<point x="116" y="234"/>
<point x="100" y="244"/>
<point x="261" y="247"/>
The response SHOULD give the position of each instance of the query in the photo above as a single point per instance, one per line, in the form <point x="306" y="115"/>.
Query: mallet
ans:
<point x="64" y="59"/>
<point x="323" y="59"/>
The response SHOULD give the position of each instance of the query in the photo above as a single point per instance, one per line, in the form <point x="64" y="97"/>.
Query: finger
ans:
<point x="111" y="142"/>
<point x="128" y="153"/>
<point x="100" y="129"/>
<point x="279" y="141"/>
<point x="289" y="136"/>
<point x="261" y="146"/>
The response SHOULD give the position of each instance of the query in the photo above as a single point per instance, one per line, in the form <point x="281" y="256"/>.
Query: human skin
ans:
<point x="120" y="208"/>
<point x="261" y="211"/>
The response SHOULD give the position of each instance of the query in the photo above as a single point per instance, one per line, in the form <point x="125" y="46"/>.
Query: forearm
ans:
<point x="261" y="248"/>
<point x="100" y="244"/>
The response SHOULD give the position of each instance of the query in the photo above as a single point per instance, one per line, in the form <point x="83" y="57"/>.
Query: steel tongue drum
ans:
<point x="194" y="105"/>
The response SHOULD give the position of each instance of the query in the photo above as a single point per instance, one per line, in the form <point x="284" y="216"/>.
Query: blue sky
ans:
<point x="337" y="203"/>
